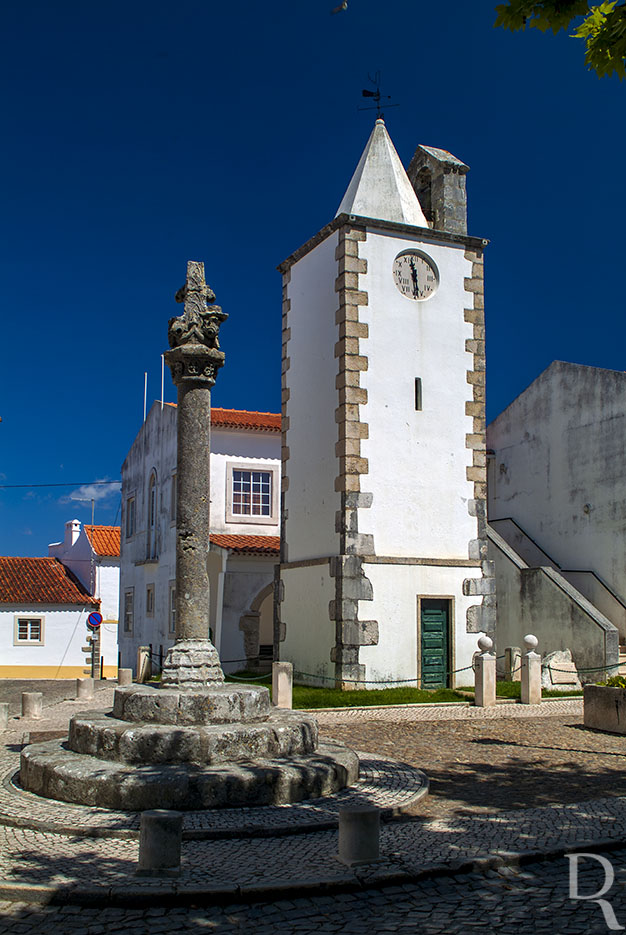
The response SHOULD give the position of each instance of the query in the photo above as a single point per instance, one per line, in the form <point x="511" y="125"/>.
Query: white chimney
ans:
<point x="72" y="532"/>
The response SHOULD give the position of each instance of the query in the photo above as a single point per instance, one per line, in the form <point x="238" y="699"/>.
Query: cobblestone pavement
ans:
<point x="383" y="783"/>
<point x="54" y="691"/>
<point x="514" y="901"/>
<point x="498" y="763"/>
<point x="245" y="865"/>
<point x="452" y="711"/>
<point x="501" y="782"/>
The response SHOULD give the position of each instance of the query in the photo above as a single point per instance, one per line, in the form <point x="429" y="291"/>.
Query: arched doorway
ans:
<point x="257" y="625"/>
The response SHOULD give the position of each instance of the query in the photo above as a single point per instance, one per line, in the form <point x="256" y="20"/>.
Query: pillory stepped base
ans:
<point x="168" y="748"/>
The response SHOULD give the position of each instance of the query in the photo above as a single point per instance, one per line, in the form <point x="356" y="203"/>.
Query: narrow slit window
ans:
<point x="418" y="394"/>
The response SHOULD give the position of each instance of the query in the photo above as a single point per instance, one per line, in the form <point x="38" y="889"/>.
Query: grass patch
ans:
<point x="304" y="696"/>
<point x="551" y="693"/>
<point x="514" y="690"/>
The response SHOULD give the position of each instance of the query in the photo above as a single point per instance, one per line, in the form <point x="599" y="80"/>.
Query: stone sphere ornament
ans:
<point x="485" y="643"/>
<point x="530" y="643"/>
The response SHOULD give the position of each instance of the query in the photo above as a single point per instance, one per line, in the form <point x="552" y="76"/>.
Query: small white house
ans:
<point x="245" y="531"/>
<point x="43" y="619"/>
<point x="93" y="555"/>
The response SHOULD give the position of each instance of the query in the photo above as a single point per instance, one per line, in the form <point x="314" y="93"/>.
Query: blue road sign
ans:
<point x="94" y="620"/>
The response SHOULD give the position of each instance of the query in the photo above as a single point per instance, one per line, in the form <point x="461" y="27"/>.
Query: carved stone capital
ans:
<point x="194" y="364"/>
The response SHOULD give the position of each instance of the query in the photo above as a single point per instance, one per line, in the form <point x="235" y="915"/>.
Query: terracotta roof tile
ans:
<point x="243" y="419"/>
<point x="105" y="540"/>
<point x="269" y="545"/>
<point x="40" y="581"/>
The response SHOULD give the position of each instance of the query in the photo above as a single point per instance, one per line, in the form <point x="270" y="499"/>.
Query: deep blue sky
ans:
<point x="139" y="135"/>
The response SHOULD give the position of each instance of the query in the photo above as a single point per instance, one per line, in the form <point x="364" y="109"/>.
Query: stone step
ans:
<point x="285" y="733"/>
<point x="221" y="704"/>
<point x="51" y="770"/>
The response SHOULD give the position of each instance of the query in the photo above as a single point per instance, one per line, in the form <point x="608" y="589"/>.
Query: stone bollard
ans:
<point x="144" y="664"/>
<point x="4" y="715"/>
<point x="160" y="838"/>
<point x="84" y="689"/>
<point x="282" y="684"/>
<point x="485" y="675"/>
<point x="531" y="672"/>
<point x="512" y="664"/>
<point x="124" y="676"/>
<point x="359" y="835"/>
<point x="32" y="704"/>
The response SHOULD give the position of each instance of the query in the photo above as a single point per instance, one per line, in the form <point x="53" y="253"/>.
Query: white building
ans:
<point x="244" y="547"/>
<point x="93" y="555"/>
<point x="43" y="619"/>
<point x="383" y="568"/>
<point x="557" y="513"/>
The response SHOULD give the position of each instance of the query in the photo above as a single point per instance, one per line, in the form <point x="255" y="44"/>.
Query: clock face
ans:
<point x="415" y="275"/>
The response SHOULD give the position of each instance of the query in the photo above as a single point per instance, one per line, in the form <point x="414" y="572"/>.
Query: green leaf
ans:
<point x="603" y="27"/>
<point x="539" y="14"/>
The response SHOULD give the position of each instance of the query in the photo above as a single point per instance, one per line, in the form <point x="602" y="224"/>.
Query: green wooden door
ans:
<point x="434" y="625"/>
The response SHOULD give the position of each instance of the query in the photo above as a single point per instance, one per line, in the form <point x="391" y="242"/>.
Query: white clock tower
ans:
<point x="384" y="573"/>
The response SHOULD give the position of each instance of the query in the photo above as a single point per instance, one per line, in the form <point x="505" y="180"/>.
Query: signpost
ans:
<point x="94" y="621"/>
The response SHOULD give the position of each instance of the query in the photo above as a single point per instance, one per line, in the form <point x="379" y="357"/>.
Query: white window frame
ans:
<point x="171" y="611"/>
<point x="29" y="619"/>
<point x="150" y="600"/>
<point x="152" y="516"/>
<point x="128" y="593"/>
<point x="173" y="498"/>
<point x="248" y="519"/>
<point x="127" y="515"/>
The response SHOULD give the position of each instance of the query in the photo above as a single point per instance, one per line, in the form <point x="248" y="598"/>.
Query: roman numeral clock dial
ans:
<point x="415" y="275"/>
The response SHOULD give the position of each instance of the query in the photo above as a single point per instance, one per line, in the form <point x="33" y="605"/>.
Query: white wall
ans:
<point x="396" y="590"/>
<point x="311" y="500"/>
<point x="65" y="629"/>
<point x="246" y="576"/>
<point x="417" y="460"/>
<point x="100" y="574"/>
<point x="310" y="633"/>
<point x="252" y="449"/>
<point x="558" y="468"/>
<point x="541" y="601"/>
<point x="109" y="648"/>
<point x="155" y="448"/>
<point x="108" y="586"/>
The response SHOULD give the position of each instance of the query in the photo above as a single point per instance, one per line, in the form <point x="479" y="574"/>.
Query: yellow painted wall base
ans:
<point x="52" y="672"/>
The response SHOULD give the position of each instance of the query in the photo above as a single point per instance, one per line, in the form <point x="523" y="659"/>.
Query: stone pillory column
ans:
<point x="195" y="741"/>
<point x="194" y="359"/>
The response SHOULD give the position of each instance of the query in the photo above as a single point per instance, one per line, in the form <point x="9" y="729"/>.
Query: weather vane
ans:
<point x="377" y="96"/>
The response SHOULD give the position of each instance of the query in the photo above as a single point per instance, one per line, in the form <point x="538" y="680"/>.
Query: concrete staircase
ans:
<point x="586" y="582"/>
<point x="564" y="608"/>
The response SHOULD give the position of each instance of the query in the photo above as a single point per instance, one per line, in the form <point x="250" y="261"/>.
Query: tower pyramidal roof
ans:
<point x="380" y="188"/>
